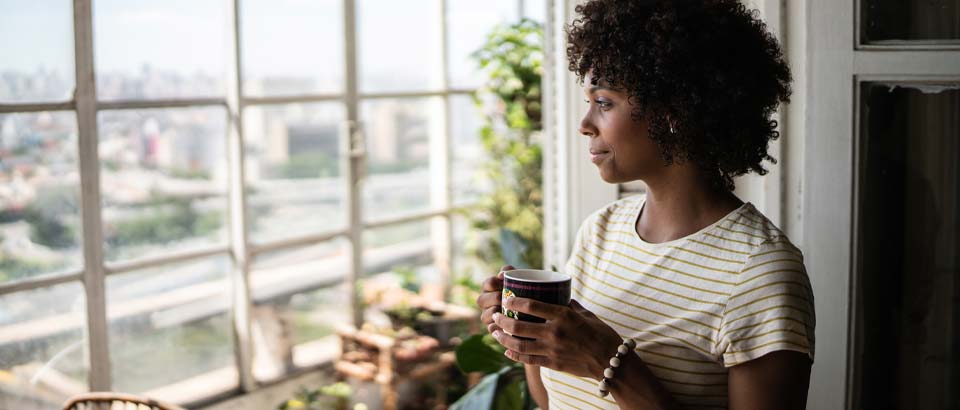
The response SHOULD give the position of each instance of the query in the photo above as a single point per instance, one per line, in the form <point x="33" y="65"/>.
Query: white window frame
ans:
<point x="238" y="247"/>
<point x="823" y="195"/>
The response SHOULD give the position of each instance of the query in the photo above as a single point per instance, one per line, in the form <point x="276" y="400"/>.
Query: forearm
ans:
<point x="535" y="385"/>
<point x="634" y="387"/>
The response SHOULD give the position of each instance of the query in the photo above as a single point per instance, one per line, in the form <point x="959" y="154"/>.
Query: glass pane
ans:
<point x="39" y="194"/>
<point x="468" y="24"/>
<point x="300" y="296"/>
<point x="294" y="185"/>
<point x="163" y="175"/>
<point x="467" y="154"/>
<point x="535" y="10"/>
<point x="148" y="49"/>
<point x="406" y="245"/>
<point x="37" y="42"/>
<point x="42" y="347"/>
<point x="908" y="318"/>
<point x="170" y="331"/>
<point x="398" y="133"/>
<point x="468" y="270"/>
<point x="400" y="270"/>
<point x="276" y="35"/>
<point x="399" y="45"/>
<point x="930" y="20"/>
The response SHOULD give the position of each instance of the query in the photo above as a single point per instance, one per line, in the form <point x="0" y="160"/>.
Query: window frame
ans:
<point x="238" y="247"/>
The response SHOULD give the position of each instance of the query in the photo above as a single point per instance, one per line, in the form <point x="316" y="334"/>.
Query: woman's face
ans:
<point x="619" y="146"/>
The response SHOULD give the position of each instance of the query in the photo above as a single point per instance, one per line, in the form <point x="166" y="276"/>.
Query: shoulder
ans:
<point x="619" y="211"/>
<point x="758" y="231"/>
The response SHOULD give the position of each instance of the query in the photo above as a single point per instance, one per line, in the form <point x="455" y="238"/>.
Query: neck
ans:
<point x="682" y="202"/>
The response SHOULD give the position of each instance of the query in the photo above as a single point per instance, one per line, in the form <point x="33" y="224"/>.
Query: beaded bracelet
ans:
<point x="608" y="373"/>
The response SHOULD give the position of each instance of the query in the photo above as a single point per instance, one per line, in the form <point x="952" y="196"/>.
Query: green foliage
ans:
<point x="510" y="396"/>
<point x="408" y="277"/>
<point x="509" y="219"/>
<point x="308" y="165"/>
<point x="48" y="230"/>
<point x="168" y="219"/>
<point x="512" y="214"/>
<point x="185" y="173"/>
<point x="334" y="396"/>
<point x="481" y="353"/>
<point x="46" y="217"/>
<point x="13" y="267"/>
<point x="395" y="167"/>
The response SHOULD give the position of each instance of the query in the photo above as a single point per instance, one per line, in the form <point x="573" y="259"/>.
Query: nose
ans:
<point x="586" y="126"/>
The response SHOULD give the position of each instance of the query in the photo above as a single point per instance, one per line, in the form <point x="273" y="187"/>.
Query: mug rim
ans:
<point x="564" y="277"/>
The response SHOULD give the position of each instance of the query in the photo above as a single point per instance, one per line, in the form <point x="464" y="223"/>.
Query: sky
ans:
<point x="280" y="37"/>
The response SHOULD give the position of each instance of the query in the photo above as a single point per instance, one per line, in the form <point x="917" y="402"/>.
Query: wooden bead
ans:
<point x="603" y="385"/>
<point x="614" y="362"/>
<point x="608" y="373"/>
<point x="623" y="349"/>
<point x="631" y="344"/>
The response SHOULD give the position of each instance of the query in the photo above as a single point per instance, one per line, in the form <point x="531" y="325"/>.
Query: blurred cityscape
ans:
<point x="164" y="179"/>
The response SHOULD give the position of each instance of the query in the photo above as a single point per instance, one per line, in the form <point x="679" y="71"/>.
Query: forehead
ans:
<point x="589" y="87"/>
<point x="588" y="83"/>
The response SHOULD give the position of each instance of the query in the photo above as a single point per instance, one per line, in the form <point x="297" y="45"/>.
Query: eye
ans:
<point x="603" y="104"/>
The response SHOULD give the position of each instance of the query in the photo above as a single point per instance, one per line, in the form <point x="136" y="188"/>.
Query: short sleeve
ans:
<point x="572" y="267"/>
<point x="771" y="308"/>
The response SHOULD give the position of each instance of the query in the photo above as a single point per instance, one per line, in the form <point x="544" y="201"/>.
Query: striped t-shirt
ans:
<point x="732" y="292"/>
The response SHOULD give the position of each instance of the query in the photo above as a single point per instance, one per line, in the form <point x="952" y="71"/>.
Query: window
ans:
<point x="933" y="22"/>
<point x="907" y="333"/>
<point x="221" y="149"/>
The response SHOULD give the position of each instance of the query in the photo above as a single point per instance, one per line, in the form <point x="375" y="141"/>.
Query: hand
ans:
<point x="573" y="340"/>
<point x="489" y="299"/>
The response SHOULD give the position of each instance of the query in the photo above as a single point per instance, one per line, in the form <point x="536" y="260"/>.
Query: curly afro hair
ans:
<point x="706" y="74"/>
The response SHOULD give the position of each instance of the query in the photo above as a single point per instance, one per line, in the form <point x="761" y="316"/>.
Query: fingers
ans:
<point x="520" y="328"/>
<point x="493" y="283"/>
<point x="534" y="360"/>
<point x="486" y="317"/>
<point x="488" y="299"/>
<point x="523" y="346"/>
<point x="534" y="307"/>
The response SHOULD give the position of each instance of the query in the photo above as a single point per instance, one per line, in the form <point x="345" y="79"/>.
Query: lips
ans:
<point x="596" y="156"/>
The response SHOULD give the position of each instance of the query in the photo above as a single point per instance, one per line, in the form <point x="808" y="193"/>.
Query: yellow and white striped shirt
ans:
<point x="732" y="292"/>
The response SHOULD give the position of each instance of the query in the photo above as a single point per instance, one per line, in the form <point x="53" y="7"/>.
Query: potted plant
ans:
<point x="509" y="218"/>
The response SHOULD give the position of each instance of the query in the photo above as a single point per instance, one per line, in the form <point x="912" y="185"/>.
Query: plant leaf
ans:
<point x="473" y="355"/>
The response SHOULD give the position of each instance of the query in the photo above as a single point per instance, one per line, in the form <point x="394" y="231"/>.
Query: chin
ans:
<point x="612" y="178"/>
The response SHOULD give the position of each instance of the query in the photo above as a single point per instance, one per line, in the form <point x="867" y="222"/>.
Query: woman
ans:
<point x="714" y="295"/>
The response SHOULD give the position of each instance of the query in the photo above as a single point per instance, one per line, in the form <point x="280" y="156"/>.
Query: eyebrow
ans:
<point x="598" y="87"/>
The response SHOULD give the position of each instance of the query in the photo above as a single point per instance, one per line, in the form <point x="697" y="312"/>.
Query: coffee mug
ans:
<point x="543" y="285"/>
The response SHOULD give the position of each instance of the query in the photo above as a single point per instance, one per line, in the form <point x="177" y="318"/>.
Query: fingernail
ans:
<point x="496" y="316"/>
<point x="496" y="334"/>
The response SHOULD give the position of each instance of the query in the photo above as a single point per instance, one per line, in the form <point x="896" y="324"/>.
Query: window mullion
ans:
<point x="440" y="175"/>
<point x="94" y="272"/>
<point x="353" y="157"/>
<point x="239" y="241"/>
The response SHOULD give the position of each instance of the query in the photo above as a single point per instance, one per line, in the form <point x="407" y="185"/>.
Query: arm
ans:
<point x="637" y="388"/>
<point x="778" y="380"/>
<point x="535" y="385"/>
